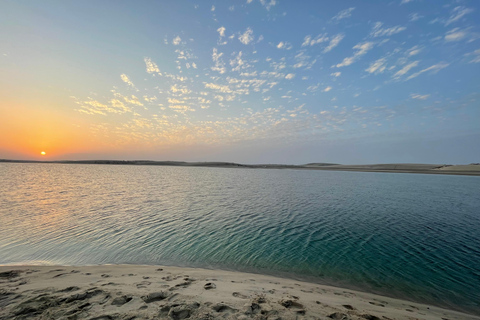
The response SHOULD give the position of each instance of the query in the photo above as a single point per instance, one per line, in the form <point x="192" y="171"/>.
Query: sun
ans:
<point x="43" y="153"/>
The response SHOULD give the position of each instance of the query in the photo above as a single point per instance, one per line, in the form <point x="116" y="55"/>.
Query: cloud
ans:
<point x="343" y="14"/>
<point x="213" y="8"/>
<point x="362" y="48"/>
<point x="219" y="64"/>
<point x="435" y="68"/>
<point x="125" y="79"/>
<point x="414" y="16"/>
<point x="221" y="31"/>
<point x="151" y="66"/>
<point x="268" y="4"/>
<point x="405" y="1"/>
<point x="284" y="45"/>
<point x="414" y="50"/>
<point x="378" y="31"/>
<point x="327" y="89"/>
<point x="246" y="37"/>
<point x="405" y="69"/>
<point x="290" y="76"/>
<point x="419" y="97"/>
<point x="476" y="56"/>
<point x="455" y="35"/>
<point x="308" y="41"/>
<point x="377" y="67"/>
<point x="334" y="42"/>
<point x="176" y="41"/>
<point x="336" y="74"/>
<point x="457" y="14"/>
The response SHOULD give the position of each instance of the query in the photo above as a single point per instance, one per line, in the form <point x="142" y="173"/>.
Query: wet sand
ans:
<point x="156" y="292"/>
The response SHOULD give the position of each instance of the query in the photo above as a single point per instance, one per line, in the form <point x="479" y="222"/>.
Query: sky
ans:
<point x="249" y="81"/>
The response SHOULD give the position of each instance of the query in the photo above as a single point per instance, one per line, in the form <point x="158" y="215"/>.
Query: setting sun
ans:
<point x="43" y="153"/>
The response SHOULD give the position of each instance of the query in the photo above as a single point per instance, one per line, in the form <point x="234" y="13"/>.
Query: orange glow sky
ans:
<point x="250" y="81"/>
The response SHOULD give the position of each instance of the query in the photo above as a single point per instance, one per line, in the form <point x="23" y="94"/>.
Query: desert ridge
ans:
<point x="164" y="292"/>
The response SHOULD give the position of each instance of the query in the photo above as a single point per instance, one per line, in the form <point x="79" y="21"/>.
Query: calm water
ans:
<point x="404" y="235"/>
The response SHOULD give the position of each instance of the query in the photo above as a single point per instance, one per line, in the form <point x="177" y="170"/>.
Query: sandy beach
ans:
<point x="164" y="292"/>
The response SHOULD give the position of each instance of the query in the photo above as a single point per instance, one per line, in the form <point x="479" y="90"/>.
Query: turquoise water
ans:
<point x="411" y="236"/>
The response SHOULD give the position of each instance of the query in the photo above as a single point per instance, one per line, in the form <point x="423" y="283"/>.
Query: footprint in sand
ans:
<point x="239" y="295"/>
<point x="209" y="286"/>
<point x="376" y="304"/>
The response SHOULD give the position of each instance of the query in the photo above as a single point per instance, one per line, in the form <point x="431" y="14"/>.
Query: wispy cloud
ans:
<point x="457" y="14"/>
<point x="308" y="41"/>
<point x="435" y="68"/>
<point x="246" y="37"/>
<point x="405" y="69"/>
<point x="378" y="66"/>
<point x="419" y="96"/>
<point x="455" y="35"/>
<point x="414" y="16"/>
<point x="336" y="74"/>
<point x="327" y="89"/>
<point x="290" y="76"/>
<point x="343" y="14"/>
<point x="361" y="49"/>
<point x="476" y="56"/>
<point x="334" y="42"/>
<point x="414" y="51"/>
<point x="378" y="31"/>
<point x="405" y="1"/>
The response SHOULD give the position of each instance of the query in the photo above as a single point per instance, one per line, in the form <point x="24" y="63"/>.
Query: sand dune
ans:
<point x="153" y="292"/>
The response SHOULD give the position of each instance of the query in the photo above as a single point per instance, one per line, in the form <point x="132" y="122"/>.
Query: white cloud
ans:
<point x="151" y="66"/>
<point x="476" y="56"/>
<point x="290" y="76"/>
<point x="336" y="74"/>
<point x="414" y="50"/>
<point x="455" y="35"/>
<point x="377" y="66"/>
<point x="405" y="1"/>
<point x="219" y="64"/>
<point x="343" y="14"/>
<point x="414" y="16"/>
<point x="435" y="68"/>
<point x="308" y="41"/>
<point x="213" y="8"/>
<point x="221" y="31"/>
<point x="378" y="31"/>
<point x="284" y="45"/>
<point x="176" y="41"/>
<point x="457" y="14"/>
<point x="327" y="89"/>
<point x="405" y="69"/>
<point x="362" y="48"/>
<point x="334" y="42"/>
<point x="419" y="96"/>
<point x="246" y="37"/>
<point x="125" y="79"/>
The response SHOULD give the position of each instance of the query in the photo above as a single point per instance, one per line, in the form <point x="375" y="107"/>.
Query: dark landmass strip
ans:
<point x="472" y="169"/>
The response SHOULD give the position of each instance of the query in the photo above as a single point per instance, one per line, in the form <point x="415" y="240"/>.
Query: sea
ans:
<point x="409" y="236"/>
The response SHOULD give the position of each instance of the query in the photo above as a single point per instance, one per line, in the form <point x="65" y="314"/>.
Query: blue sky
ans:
<point x="244" y="81"/>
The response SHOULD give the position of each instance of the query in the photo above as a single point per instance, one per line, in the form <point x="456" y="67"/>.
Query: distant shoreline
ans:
<point x="470" y="169"/>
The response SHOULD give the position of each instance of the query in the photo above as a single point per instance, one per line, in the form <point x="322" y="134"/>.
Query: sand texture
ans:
<point x="154" y="292"/>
